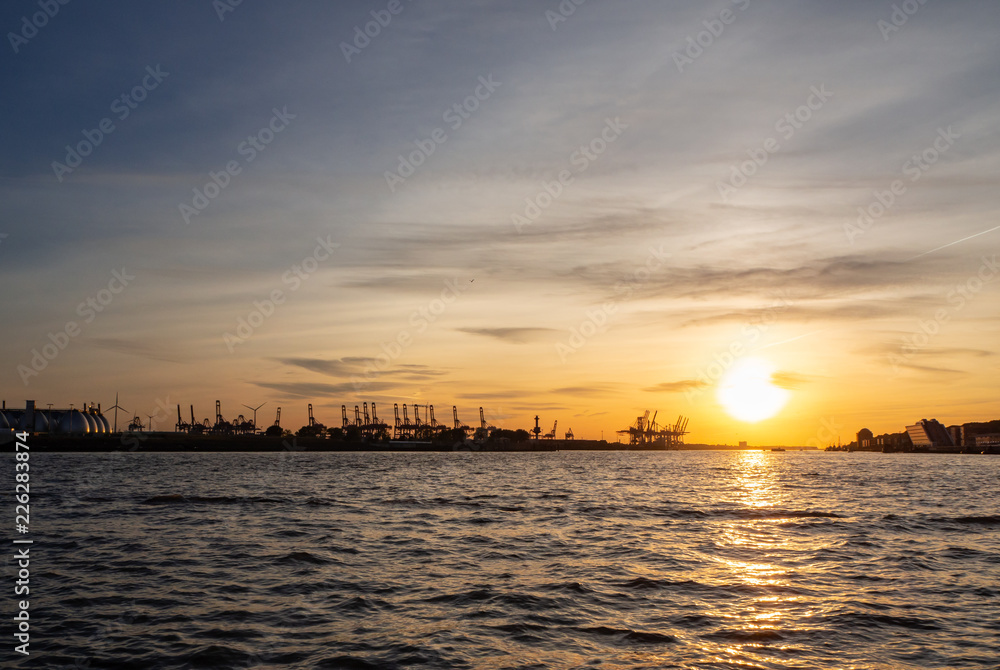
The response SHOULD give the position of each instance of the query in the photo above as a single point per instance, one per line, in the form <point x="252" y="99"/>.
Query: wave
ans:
<point x="178" y="499"/>
<point x="752" y="514"/>
<point x="993" y="520"/>
<point x="629" y="635"/>
<point x="647" y="584"/>
<point x="745" y="636"/>
<point x="303" y="557"/>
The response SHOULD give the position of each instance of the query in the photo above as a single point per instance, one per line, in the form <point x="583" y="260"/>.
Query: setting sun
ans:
<point x="747" y="392"/>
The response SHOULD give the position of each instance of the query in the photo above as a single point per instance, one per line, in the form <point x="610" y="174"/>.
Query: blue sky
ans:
<point x="784" y="237"/>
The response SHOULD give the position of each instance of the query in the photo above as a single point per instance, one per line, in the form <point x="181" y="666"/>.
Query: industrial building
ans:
<point x="89" y="421"/>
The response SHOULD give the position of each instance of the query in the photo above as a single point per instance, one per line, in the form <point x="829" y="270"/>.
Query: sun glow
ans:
<point x="747" y="392"/>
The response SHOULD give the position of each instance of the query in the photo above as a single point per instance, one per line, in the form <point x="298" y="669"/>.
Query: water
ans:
<point x="489" y="561"/>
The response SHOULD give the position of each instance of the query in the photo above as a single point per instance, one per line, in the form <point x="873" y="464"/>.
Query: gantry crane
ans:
<point x="182" y="426"/>
<point x="646" y="432"/>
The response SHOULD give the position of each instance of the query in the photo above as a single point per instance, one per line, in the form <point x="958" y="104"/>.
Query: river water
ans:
<point x="741" y="559"/>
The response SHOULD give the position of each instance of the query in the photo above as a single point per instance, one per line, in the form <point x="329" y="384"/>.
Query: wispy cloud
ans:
<point x="676" y="387"/>
<point x="512" y="335"/>
<point x="319" y="390"/>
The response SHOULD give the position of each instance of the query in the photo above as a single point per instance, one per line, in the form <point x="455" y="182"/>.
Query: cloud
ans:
<point x="789" y="380"/>
<point x="512" y="335"/>
<point x="588" y="390"/>
<point x="676" y="387"/>
<point x="342" y="367"/>
<point x="151" y="349"/>
<point x="356" y="365"/>
<point x="494" y="395"/>
<point x="930" y="369"/>
<point x="318" y="391"/>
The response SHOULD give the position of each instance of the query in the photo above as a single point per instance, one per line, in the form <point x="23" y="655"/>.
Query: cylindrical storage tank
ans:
<point x="105" y="426"/>
<point x="41" y="423"/>
<point x="12" y="418"/>
<point x="91" y="422"/>
<point x="73" y="421"/>
<point x="54" y="419"/>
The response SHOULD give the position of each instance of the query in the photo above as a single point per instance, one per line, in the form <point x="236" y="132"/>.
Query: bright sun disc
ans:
<point x="747" y="391"/>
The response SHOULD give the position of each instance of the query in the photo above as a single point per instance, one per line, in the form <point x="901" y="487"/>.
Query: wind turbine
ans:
<point x="254" y="410"/>
<point x="116" y="408"/>
<point x="151" y="417"/>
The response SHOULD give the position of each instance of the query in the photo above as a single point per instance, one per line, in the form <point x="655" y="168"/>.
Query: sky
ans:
<point x="576" y="210"/>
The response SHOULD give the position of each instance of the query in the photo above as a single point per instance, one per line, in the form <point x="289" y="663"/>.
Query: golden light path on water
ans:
<point x="755" y="487"/>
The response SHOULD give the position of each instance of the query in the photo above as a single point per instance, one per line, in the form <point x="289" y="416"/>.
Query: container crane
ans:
<point x="182" y="426"/>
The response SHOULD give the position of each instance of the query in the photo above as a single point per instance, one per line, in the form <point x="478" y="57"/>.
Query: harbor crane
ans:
<point x="645" y="432"/>
<point x="458" y="424"/>
<point x="550" y="436"/>
<point x="221" y="425"/>
<point x="197" y="428"/>
<point x="182" y="425"/>
<point x="274" y="430"/>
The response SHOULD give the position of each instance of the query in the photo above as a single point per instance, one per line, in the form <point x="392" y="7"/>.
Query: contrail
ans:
<point x="952" y="243"/>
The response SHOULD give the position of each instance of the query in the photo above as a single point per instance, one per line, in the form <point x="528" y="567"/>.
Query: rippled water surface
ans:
<point x="485" y="560"/>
